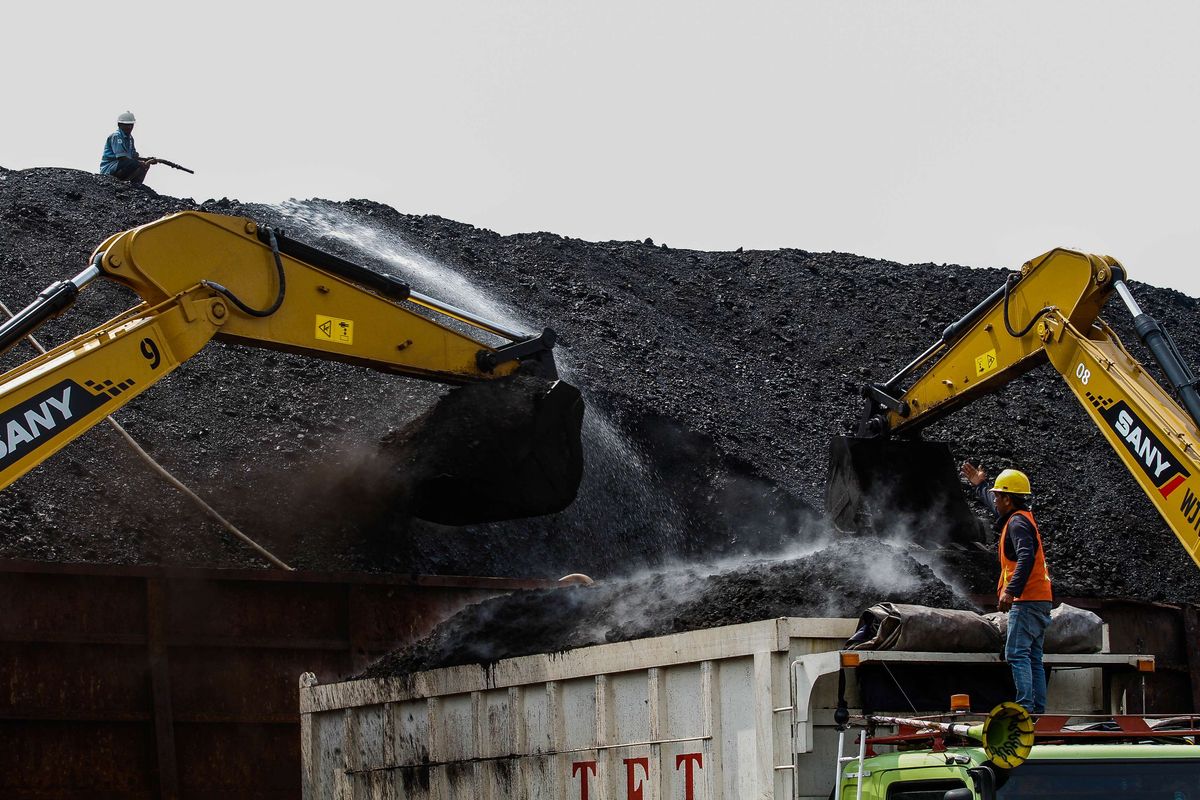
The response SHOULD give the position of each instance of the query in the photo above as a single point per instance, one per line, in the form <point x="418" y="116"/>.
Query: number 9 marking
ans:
<point x="1083" y="373"/>
<point x="151" y="354"/>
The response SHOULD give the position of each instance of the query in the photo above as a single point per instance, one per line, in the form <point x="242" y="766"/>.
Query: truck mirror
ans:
<point x="984" y="780"/>
<point x="961" y="793"/>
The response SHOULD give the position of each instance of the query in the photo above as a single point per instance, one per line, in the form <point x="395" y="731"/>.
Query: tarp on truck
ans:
<point x="900" y="626"/>
<point x="1072" y="630"/>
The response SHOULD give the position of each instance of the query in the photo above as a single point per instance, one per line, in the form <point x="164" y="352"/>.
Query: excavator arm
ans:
<point x="1156" y="439"/>
<point x="203" y="276"/>
<point x="1048" y="311"/>
<point x="994" y="343"/>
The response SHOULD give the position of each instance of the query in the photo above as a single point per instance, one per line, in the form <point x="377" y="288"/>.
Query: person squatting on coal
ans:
<point x="120" y="158"/>
<point x="1024" y="584"/>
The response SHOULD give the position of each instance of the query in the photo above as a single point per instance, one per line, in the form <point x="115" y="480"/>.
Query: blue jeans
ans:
<point x="1027" y="623"/>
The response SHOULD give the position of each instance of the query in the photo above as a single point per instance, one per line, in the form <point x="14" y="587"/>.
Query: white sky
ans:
<point x="980" y="133"/>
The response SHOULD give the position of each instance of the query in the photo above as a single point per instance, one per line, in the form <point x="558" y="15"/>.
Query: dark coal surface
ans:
<point x="713" y="380"/>
<point x="838" y="580"/>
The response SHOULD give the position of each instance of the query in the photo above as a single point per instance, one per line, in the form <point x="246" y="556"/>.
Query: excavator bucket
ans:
<point x="494" y="451"/>
<point x="904" y="487"/>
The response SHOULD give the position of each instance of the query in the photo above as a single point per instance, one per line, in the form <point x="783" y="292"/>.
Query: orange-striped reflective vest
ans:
<point x="1038" y="586"/>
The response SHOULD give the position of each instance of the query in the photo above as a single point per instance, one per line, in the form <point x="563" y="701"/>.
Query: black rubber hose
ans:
<point x="255" y="312"/>
<point x="1008" y="325"/>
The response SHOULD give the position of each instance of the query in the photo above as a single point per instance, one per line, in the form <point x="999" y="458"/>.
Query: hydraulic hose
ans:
<point x="255" y="312"/>
<point x="1008" y="284"/>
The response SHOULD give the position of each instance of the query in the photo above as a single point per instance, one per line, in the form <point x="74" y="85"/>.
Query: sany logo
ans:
<point x="634" y="782"/>
<point x="1155" y="460"/>
<point x="39" y="419"/>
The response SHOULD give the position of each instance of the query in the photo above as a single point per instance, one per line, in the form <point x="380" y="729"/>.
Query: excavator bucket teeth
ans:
<point x="495" y="451"/>
<point x="898" y="486"/>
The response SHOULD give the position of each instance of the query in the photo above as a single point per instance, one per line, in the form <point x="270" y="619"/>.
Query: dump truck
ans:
<point x="1049" y="310"/>
<point x="202" y="276"/>
<point x="741" y="712"/>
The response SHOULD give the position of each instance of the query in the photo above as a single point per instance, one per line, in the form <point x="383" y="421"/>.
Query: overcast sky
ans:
<point x="979" y="133"/>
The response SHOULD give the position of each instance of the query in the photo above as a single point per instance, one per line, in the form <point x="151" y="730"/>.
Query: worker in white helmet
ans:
<point x="120" y="157"/>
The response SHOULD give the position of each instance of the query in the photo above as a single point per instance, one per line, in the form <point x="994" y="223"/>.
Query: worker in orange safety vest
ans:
<point x="1024" y="589"/>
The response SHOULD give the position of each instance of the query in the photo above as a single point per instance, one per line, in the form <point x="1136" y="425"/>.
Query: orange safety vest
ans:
<point x="1038" y="586"/>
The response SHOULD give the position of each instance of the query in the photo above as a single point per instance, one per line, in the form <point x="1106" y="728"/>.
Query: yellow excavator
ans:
<point x="1049" y="310"/>
<point x="202" y="276"/>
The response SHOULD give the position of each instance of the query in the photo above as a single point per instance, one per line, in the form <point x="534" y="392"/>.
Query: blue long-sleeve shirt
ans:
<point x="1021" y="544"/>
<point x="117" y="148"/>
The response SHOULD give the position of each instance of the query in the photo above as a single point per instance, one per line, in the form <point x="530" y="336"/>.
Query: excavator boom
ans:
<point x="202" y="276"/>
<point x="1048" y="311"/>
<point x="1156" y="439"/>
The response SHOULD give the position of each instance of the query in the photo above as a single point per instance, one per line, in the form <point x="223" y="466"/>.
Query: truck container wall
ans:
<point x="137" y="682"/>
<point x="734" y="713"/>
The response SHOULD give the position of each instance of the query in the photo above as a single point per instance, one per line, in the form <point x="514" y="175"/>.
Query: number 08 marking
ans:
<point x="1083" y="373"/>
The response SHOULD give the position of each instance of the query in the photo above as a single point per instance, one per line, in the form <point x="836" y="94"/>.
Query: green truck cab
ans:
<point x="1141" y="770"/>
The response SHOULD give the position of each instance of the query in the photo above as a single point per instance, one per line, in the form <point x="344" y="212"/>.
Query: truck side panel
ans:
<point x="700" y="716"/>
<point x="705" y="715"/>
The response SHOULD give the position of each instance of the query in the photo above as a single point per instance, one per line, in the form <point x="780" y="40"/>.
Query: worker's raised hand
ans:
<point x="972" y="473"/>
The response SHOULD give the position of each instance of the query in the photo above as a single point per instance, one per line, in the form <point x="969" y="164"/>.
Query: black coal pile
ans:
<point x="839" y="580"/>
<point x="713" y="381"/>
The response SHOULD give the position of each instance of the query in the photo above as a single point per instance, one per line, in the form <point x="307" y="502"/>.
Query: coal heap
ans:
<point x="838" y="580"/>
<point x="713" y="382"/>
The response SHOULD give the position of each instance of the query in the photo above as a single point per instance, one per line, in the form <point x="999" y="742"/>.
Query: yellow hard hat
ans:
<point x="1012" y="481"/>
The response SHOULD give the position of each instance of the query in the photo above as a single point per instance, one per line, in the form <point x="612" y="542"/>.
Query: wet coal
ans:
<point x="837" y="580"/>
<point x="499" y="450"/>
<point x="714" y="380"/>
<point x="505" y="449"/>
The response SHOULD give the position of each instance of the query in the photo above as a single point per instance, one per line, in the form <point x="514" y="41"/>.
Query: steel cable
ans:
<point x="171" y="479"/>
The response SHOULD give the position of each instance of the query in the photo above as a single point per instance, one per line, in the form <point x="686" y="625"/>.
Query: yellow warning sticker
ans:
<point x="986" y="362"/>
<point x="334" y="329"/>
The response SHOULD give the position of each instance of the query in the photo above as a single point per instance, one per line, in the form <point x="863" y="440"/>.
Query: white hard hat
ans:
<point x="126" y="118"/>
